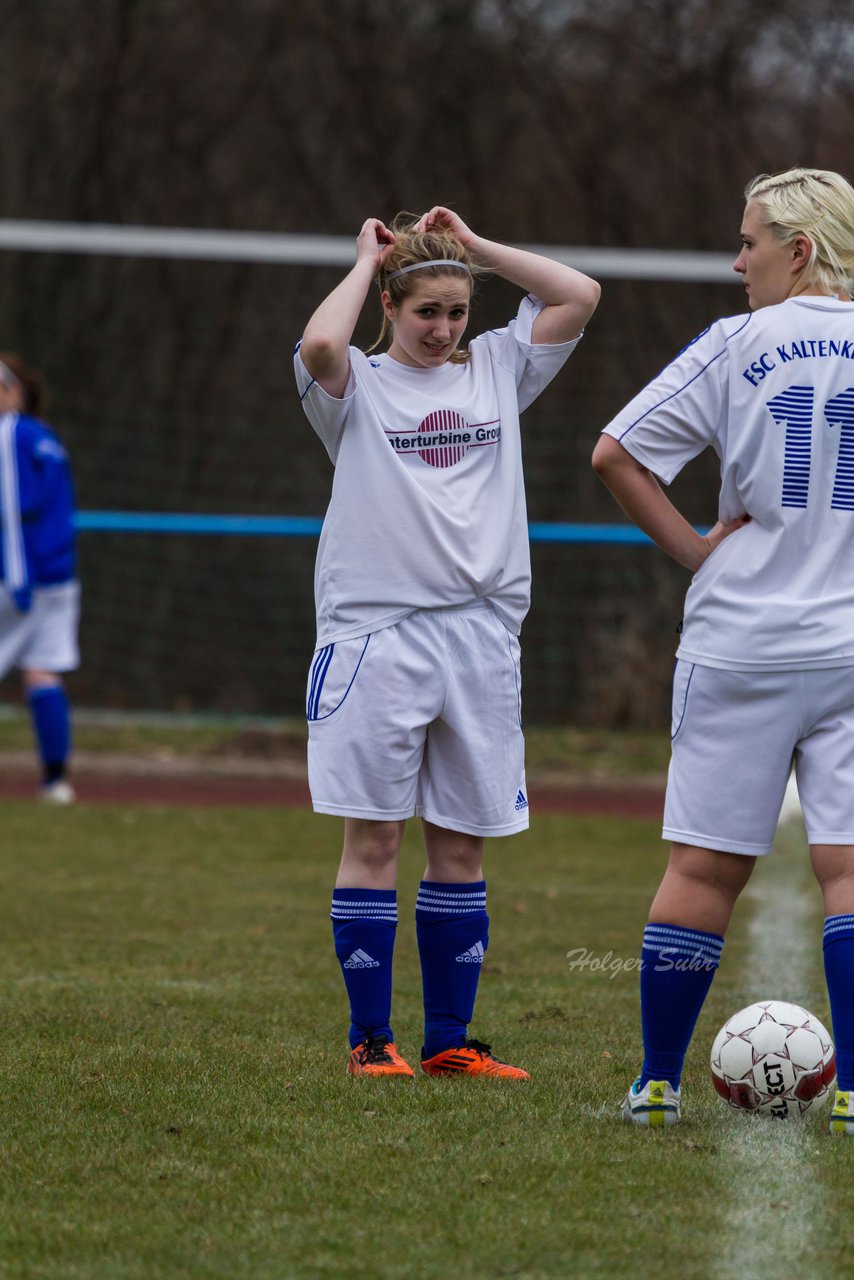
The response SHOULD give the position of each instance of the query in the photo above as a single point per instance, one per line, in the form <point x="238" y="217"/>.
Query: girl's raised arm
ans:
<point x="570" y="296"/>
<point x="327" y="335"/>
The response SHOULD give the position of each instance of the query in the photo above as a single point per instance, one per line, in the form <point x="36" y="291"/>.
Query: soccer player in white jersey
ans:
<point x="422" y="583"/>
<point x="765" y="667"/>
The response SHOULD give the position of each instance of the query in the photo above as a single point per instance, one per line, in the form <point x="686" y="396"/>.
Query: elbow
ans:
<point x="603" y="456"/>
<point x="613" y="464"/>
<point x="319" y="353"/>
<point x="591" y="296"/>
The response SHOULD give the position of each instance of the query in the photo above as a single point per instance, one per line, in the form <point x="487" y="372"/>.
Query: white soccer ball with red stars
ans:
<point x="775" y="1059"/>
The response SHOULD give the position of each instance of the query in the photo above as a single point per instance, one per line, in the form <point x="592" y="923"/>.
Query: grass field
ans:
<point x="174" y="1101"/>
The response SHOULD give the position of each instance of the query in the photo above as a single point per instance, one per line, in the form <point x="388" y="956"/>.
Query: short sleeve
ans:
<point x="679" y="413"/>
<point x="326" y="413"/>
<point x="533" y="365"/>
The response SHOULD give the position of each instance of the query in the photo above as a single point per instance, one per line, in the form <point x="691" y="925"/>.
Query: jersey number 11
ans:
<point x="794" y="407"/>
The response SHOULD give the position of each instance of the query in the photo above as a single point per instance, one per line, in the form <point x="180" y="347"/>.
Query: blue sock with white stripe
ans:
<point x="676" y="974"/>
<point x="51" y="719"/>
<point x="453" y="934"/>
<point x="364" y="923"/>
<point x="839" y="971"/>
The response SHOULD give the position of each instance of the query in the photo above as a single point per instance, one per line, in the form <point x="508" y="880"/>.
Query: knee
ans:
<point x="834" y="866"/>
<point x="721" y="873"/>
<point x="453" y="857"/>
<point x="373" y="847"/>
<point x="460" y="866"/>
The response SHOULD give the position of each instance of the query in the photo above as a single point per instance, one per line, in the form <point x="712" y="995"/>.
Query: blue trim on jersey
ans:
<point x="313" y="380"/>
<point x="684" y="387"/>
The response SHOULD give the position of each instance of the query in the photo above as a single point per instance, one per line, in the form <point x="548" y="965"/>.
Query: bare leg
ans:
<point x="452" y="857"/>
<point x="32" y="679"/>
<point x="700" y="888"/>
<point x="370" y="854"/>
<point x="833" y="865"/>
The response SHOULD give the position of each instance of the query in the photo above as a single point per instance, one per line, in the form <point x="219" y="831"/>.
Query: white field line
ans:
<point x="776" y="1202"/>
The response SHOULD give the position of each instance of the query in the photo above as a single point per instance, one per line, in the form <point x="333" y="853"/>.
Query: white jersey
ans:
<point x="428" y="503"/>
<point x="773" y="394"/>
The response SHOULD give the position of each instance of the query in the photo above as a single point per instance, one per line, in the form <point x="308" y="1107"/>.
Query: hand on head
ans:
<point x="446" y="220"/>
<point x="373" y="241"/>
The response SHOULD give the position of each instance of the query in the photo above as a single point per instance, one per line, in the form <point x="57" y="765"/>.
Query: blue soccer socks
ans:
<point x="676" y="974"/>
<point x="51" y="717"/>
<point x="453" y="933"/>
<point x="839" y="971"/>
<point x="364" y="922"/>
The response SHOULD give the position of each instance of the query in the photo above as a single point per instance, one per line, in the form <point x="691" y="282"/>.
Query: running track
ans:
<point x="165" y="787"/>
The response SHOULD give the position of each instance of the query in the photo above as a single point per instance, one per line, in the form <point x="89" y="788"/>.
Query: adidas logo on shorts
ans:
<point x="474" y="955"/>
<point x="521" y="800"/>
<point x="361" y="960"/>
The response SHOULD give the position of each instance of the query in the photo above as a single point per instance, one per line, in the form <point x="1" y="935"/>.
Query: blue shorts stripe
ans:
<point x="318" y="675"/>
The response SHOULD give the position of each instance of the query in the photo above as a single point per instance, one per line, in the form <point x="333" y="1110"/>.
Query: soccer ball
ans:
<point x="773" y="1058"/>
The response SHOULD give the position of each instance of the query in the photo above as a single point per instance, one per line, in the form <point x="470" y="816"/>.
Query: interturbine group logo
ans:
<point x="444" y="438"/>
<point x="446" y="425"/>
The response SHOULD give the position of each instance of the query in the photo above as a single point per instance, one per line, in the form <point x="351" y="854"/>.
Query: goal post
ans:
<point x="201" y="488"/>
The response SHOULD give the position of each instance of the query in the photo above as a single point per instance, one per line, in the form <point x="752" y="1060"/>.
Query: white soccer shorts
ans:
<point x="421" y="718"/>
<point x="736" y="735"/>
<point x="45" y="638"/>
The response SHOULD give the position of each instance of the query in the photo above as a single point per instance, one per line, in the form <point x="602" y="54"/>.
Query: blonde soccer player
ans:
<point x="765" y="666"/>
<point x="422" y="582"/>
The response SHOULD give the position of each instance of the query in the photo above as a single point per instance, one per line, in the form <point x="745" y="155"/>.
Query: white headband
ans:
<point x="435" y="262"/>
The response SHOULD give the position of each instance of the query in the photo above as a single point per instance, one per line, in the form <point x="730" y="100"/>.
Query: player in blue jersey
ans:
<point x="40" y="596"/>
<point x="765" y="671"/>
<point x="422" y="582"/>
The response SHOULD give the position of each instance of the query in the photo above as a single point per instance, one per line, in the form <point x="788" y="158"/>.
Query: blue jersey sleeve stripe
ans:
<point x="313" y="380"/>
<point x="686" y="385"/>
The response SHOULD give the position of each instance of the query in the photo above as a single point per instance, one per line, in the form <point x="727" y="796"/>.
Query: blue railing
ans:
<point x="310" y="526"/>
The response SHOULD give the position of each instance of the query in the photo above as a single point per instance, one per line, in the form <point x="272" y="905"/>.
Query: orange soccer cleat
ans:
<point x="377" y="1056"/>
<point x="471" y="1059"/>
